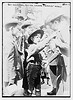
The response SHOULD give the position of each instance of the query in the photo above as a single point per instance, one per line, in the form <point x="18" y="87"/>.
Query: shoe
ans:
<point x="53" y="92"/>
<point x="27" y="93"/>
<point x="37" y="92"/>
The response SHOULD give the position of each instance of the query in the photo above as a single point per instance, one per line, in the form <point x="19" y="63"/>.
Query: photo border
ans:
<point x="2" y="57"/>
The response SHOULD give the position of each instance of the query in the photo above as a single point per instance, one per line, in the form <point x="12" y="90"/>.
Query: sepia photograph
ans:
<point x="36" y="49"/>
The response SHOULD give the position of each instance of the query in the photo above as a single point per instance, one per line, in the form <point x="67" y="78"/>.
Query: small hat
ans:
<point x="20" y="17"/>
<point x="34" y="34"/>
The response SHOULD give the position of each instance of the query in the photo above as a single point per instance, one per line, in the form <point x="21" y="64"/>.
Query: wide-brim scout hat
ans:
<point x="55" y="16"/>
<point x="26" y="23"/>
<point x="34" y="34"/>
<point x="12" y="23"/>
<point x="25" y="26"/>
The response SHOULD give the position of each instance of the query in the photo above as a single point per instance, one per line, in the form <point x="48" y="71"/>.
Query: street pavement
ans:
<point x="64" y="88"/>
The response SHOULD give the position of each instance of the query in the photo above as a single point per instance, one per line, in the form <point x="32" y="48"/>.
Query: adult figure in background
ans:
<point x="60" y="44"/>
<point x="13" y="55"/>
